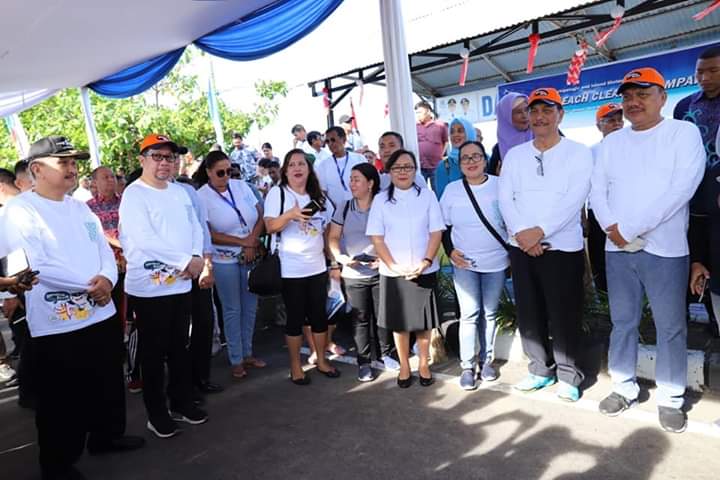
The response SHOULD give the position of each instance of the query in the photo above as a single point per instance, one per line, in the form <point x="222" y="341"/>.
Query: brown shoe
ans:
<point x="254" y="362"/>
<point x="238" y="371"/>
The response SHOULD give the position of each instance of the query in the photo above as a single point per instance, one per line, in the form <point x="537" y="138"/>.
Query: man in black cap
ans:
<point x="70" y="314"/>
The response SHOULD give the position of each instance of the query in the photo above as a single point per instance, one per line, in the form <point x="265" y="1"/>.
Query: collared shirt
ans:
<point x="334" y="176"/>
<point x="432" y="138"/>
<point x="247" y="158"/>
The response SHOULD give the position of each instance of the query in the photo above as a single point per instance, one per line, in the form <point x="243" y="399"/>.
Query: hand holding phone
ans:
<point x="313" y="206"/>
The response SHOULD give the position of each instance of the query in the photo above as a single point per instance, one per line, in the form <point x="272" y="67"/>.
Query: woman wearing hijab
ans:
<point x="513" y="128"/>
<point x="461" y="131"/>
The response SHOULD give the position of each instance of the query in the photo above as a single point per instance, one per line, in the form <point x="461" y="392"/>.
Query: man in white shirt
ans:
<point x="301" y="139"/>
<point x="70" y="314"/>
<point x="643" y="179"/>
<point x="542" y="188"/>
<point x="354" y="142"/>
<point x="316" y="148"/>
<point x="163" y="244"/>
<point x="334" y="172"/>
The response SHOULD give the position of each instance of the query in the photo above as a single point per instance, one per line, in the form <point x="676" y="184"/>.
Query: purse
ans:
<point x="265" y="278"/>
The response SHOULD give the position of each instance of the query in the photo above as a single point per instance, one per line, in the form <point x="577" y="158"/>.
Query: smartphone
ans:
<point x="703" y="287"/>
<point x="364" y="258"/>
<point x="27" y="277"/>
<point x="313" y="206"/>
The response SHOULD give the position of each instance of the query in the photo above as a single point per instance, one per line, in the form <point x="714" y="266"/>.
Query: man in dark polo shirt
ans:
<point x="432" y="138"/>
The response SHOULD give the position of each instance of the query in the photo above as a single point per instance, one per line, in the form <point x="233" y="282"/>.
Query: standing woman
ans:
<point x="301" y="244"/>
<point x="448" y="170"/>
<point x="354" y="250"/>
<point x="480" y="259"/>
<point x="234" y="218"/>
<point x="406" y="226"/>
<point x="513" y="128"/>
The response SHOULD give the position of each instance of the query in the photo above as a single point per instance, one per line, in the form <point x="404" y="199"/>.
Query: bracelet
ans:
<point x="429" y="260"/>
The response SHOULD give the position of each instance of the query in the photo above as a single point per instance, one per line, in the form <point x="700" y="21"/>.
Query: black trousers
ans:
<point x="305" y="299"/>
<point x="202" y="333"/>
<point x="364" y="296"/>
<point x="549" y="297"/>
<point x="596" y="252"/>
<point x="95" y="402"/>
<point x="163" y="324"/>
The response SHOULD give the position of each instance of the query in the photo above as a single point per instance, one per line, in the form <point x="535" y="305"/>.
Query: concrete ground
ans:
<point x="264" y="427"/>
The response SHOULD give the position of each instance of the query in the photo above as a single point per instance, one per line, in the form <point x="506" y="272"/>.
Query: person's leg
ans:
<point x="201" y="336"/>
<point x="492" y="285"/>
<point x="422" y="338"/>
<point x="665" y="283"/>
<point x="359" y="293"/>
<point x="228" y="285"/>
<point x="531" y="314"/>
<point x="596" y="251"/>
<point x="402" y="344"/>
<point x="178" y="360"/>
<point x="293" y="294"/>
<point x="625" y="293"/>
<point x="316" y="291"/>
<point x="469" y="295"/>
<point x="715" y="301"/>
<point x="248" y="316"/>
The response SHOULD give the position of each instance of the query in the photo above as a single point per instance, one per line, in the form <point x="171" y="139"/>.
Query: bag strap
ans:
<point x="484" y="220"/>
<point x="282" y="210"/>
<point x="345" y="210"/>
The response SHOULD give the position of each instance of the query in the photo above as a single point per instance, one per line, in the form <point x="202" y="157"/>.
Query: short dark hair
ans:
<point x="712" y="52"/>
<point x="394" y="134"/>
<point x="94" y="172"/>
<point x="297" y="128"/>
<point x="391" y="161"/>
<point x="21" y="167"/>
<point x="273" y="164"/>
<point x="338" y="131"/>
<point x="370" y="173"/>
<point x="266" y="145"/>
<point x="312" y="136"/>
<point x="7" y="177"/>
<point x="264" y="162"/>
<point x="237" y="135"/>
<point x="423" y="104"/>
<point x="465" y="100"/>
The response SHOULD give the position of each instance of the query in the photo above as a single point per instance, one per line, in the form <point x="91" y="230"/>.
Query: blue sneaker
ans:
<point x="390" y="363"/>
<point x="467" y="379"/>
<point x="568" y="392"/>
<point x="365" y="373"/>
<point x="534" y="382"/>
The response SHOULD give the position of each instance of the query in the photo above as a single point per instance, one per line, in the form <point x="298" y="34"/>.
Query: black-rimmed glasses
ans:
<point x="159" y="157"/>
<point x="540" y="169"/>
<point x="473" y="158"/>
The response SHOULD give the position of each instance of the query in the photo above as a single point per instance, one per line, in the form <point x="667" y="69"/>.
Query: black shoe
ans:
<point x="404" y="382"/>
<point x="334" y="373"/>
<point x="163" y="427"/>
<point x="426" y="382"/>
<point x="71" y="474"/>
<point x="208" y="387"/>
<point x="672" y="419"/>
<point x="28" y="403"/>
<point x="192" y="415"/>
<point x="614" y="404"/>
<point x="120" y="444"/>
<point x="305" y="380"/>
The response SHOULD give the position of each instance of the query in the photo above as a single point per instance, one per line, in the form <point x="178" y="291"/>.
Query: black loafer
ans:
<point x="404" y="382"/>
<point x="426" y="382"/>
<point x="334" y="373"/>
<point x="125" y="443"/>
<point x="305" y="380"/>
<point x="209" y="387"/>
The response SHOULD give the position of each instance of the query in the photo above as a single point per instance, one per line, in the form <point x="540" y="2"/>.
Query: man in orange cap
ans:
<point x="643" y="179"/>
<point x="542" y="188"/>
<point x="608" y="118"/>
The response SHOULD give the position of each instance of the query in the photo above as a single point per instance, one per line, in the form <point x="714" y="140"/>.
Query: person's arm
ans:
<point x="599" y="190"/>
<point x="274" y="222"/>
<point x="506" y="199"/>
<point x="114" y="242"/>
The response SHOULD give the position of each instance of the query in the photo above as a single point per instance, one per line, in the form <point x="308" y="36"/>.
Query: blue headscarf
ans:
<point x="449" y="168"/>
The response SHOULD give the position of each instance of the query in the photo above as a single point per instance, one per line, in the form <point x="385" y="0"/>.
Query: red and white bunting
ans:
<point x="576" y="64"/>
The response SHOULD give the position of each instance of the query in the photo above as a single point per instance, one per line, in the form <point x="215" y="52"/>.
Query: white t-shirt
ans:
<point x="469" y="234"/>
<point x="159" y="233"/>
<point x="406" y="224"/>
<point x="64" y="241"/>
<point x="331" y="170"/>
<point x="223" y="218"/>
<point x="320" y="156"/>
<point x="82" y="194"/>
<point x="301" y="245"/>
<point x="552" y="201"/>
<point x="643" y="181"/>
<point x="419" y="180"/>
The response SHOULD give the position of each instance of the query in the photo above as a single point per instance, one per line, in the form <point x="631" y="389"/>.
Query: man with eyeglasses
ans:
<point x="334" y="172"/>
<point x="542" y="188"/>
<point x="163" y="243"/>
<point x="643" y="179"/>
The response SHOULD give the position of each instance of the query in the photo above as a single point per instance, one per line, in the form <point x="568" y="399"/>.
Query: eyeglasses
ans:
<point x="159" y="157"/>
<point x="403" y="168"/>
<point x="540" y="170"/>
<point x="222" y="173"/>
<point x="472" y="158"/>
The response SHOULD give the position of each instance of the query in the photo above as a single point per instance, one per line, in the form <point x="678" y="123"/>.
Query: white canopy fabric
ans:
<point x="12" y="102"/>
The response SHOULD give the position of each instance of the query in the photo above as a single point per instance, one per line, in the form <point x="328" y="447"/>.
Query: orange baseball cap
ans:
<point x="154" y="140"/>
<point x="606" y="110"/>
<point x="643" y="78"/>
<point x="546" y="95"/>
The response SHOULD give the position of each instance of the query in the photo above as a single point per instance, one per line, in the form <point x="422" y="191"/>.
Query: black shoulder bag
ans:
<point x="484" y="220"/>
<point x="265" y="279"/>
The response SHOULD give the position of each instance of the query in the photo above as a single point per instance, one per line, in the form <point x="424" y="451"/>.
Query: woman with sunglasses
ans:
<point x="235" y="221"/>
<point x="479" y="257"/>
<point x="405" y="224"/>
<point x="298" y="213"/>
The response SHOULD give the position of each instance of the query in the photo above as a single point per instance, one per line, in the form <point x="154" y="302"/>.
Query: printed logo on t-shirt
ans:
<point x="92" y="230"/>
<point x="160" y="273"/>
<point x="68" y="306"/>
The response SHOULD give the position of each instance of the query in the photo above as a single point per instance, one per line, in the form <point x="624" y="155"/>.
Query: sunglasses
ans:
<point x="159" y="157"/>
<point x="222" y="173"/>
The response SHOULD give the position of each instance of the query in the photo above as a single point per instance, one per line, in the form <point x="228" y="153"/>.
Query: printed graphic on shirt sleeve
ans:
<point x="160" y="273"/>
<point x="92" y="231"/>
<point x="67" y="306"/>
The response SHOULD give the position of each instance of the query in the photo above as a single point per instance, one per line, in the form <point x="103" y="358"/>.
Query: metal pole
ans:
<point x="90" y="128"/>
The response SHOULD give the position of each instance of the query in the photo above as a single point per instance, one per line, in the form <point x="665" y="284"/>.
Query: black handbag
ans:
<point x="265" y="278"/>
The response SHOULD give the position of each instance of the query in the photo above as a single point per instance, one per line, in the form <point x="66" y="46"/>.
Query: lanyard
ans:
<point x="231" y="202"/>
<point x="341" y="174"/>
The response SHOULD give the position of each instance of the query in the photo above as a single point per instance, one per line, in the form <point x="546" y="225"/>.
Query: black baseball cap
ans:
<point x="55" y="146"/>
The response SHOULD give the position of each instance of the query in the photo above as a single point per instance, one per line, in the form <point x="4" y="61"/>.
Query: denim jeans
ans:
<point x="238" y="306"/>
<point x="664" y="281"/>
<point x="475" y="291"/>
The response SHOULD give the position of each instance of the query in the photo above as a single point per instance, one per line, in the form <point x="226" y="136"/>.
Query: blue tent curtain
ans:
<point x="258" y="35"/>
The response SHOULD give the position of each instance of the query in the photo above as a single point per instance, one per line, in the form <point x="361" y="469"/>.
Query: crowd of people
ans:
<point x="163" y="253"/>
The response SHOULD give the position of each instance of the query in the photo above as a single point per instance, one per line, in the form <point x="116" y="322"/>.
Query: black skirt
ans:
<point x="408" y="305"/>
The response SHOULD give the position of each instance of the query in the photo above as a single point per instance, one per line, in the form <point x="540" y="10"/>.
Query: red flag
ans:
<point x="534" y="40"/>
<point x="326" y="98"/>
<point x="465" y="55"/>
<point x="704" y="13"/>
<point x="576" y="64"/>
<point x="352" y="114"/>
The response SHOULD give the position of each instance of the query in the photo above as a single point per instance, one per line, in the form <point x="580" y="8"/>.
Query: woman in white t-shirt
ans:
<point x="234" y="218"/>
<point x="479" y="258"/>
<point x="406" y="225"/>
<point x="298" y="213"/>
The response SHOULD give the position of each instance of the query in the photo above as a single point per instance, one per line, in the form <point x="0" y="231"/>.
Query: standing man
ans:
<point x="300" y="138"/>
<point x="432" y="139"/>
<point x="244" y="156"/>
<point x="643" y="179"/>
<point x="608" y="119"/>
<point x="163" y="243"/>
<point x="317" y="147"/>
<point x="334" y="172"/>
<point x="70" y="314"/>
<point x="354" y="141"/>
<point x="543" y="186"/>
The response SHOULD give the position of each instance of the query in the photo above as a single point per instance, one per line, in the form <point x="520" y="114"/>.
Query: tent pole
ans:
<point x="90" y="127"/>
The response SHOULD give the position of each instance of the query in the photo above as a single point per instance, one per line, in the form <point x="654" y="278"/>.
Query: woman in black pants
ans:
<point x="298" y="213"/>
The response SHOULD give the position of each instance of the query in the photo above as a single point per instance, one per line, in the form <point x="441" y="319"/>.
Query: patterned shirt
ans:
<point x="247" y="158"/>
<point x="107" y="211"/>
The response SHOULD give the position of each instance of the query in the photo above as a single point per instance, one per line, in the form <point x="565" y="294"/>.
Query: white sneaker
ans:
<point x="6" y="373"/>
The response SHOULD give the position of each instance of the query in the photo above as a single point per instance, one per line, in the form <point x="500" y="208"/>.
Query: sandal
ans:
<point x="334" y="373"/>
<point x="238" y="371"/>
<point x="254" y="363"/>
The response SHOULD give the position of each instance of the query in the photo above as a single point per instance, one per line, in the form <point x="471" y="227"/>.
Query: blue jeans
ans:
<point x="238" y="306"/>
<point x="475" y="291"/>
<point x="664" y="281"/>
